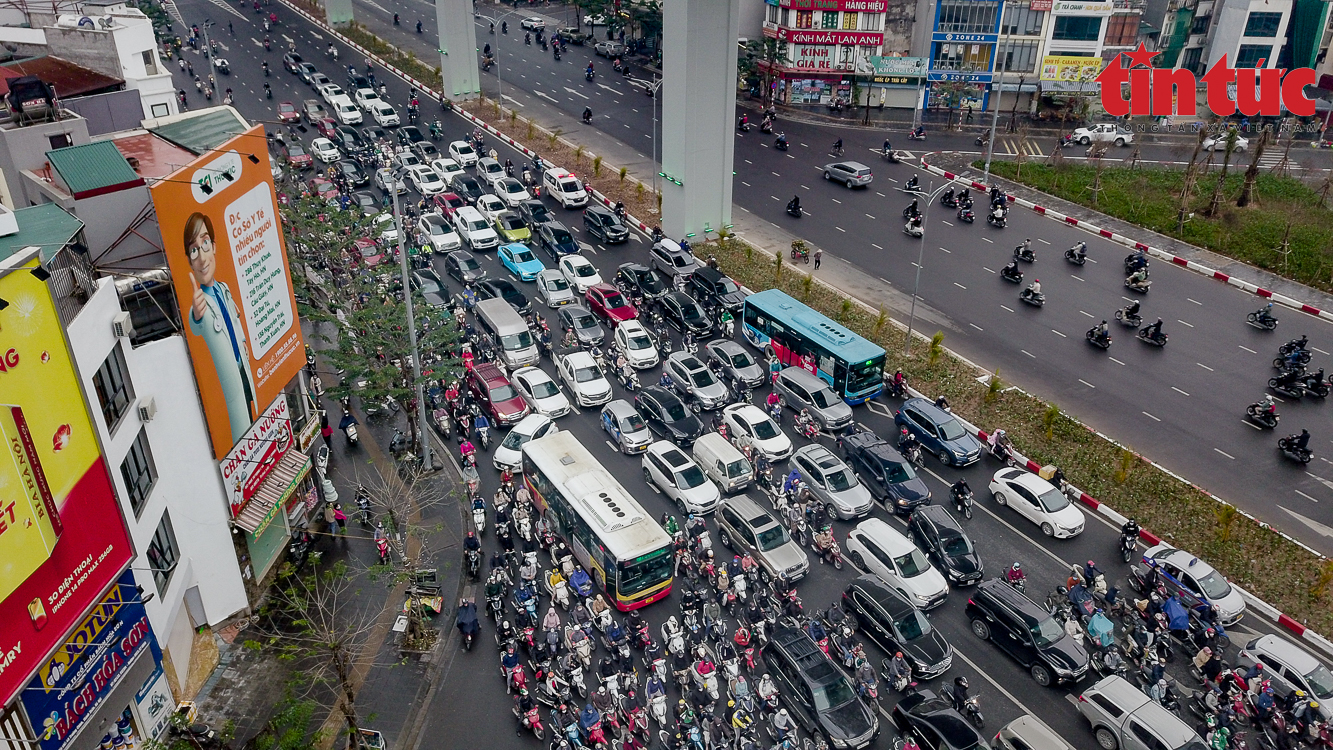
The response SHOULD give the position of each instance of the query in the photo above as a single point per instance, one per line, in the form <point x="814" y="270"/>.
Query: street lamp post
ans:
<point x="995" y="113"/>
<point x="920" y="260"/>
<point x="411" y="325"/>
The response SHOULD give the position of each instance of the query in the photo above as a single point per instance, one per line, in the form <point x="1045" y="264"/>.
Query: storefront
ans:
<point x="104" y="688"/>
<point x="824" y="47"/>
<point x="898" y="82"/>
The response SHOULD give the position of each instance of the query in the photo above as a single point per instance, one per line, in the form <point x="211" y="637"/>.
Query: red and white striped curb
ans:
<point x="1121" y="239"/>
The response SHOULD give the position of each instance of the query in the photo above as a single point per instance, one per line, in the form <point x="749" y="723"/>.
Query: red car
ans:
<point x="287" y="112"/>
<point x="448" y="203"/>
<point x="298" y="157"/>
<point x="606" y="302"/>
<point x="369" y="252"/>
<point x="327" y="127"/>
<point x="322" y="188"/>
<point x="495" y="393"/>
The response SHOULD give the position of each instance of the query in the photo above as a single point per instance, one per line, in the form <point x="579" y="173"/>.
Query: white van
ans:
<point x="565" y="188"/>
<point x="498" y="319"/>
<point x="722" y="463"/>
<point x="474" y="229"/>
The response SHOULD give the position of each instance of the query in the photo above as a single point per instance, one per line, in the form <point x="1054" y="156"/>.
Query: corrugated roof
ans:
<point x="204" y="131"/>
<point x="47" y="225"/>
<point x="93" y="169"/>
<point x="69" y="79"/>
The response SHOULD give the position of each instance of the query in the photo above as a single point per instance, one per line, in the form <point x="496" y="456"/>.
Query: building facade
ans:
<point x="824" y="47"/>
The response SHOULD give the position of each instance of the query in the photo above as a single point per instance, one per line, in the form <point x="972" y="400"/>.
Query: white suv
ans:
<point x="667" y="468"/>
<point x="1105" y="132"/>
<point x="565" y="188"/>
<point x="475" y="231"/>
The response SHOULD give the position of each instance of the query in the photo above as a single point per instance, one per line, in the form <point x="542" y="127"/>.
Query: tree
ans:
<point x="1252" y="174"/>
<point x="1215" y="204"/>
<point x="748" y="67"/>
<point x="953" y="93"/>
<point x="1187" y="184"/>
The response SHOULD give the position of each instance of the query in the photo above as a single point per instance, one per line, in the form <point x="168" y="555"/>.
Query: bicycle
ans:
<point x="837" y="150"/>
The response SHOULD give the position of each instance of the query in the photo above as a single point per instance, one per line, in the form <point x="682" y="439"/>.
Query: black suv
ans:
<point x="889" y="476"/>
<point x="896" y="625"/>
<point x="502" y="289"/>
<point x="668" y="416"/>
<point x="602" y="223"/>
<point x="935" y="724"/>
<point x="1001" y="614"/>
<point x="350" y="141"/>
<point x="713" y="286"/>
<point x="943" y="540"/>
<point x="818" y="694"/>
<point x="635" y="278"/>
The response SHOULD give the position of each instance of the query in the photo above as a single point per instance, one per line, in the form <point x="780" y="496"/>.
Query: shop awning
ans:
<point x="277" y="487"/>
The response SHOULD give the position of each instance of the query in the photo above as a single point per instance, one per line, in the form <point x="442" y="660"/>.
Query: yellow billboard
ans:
<point x="1070" y="69"/>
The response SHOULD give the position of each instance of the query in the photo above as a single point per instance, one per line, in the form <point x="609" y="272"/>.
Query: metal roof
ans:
<point x="202" y="131"/>
<point x="48" y="226"/>
<point x="93" y="169"/>
<point x="69" y="79"/>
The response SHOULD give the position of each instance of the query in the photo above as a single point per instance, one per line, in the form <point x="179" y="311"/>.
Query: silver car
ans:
<point x="1290" y="667"/>
<point x="803" y="389"/>
<point x="553" y="289"/>
<point x="672" y="260"/>
<point x="737" y="363"/>
<point x="586" y="329"/>
<point x="850" y="173"/>
<point x="743" y="526"/>
<point x="832" y="482"/>
<point x="693" y="378"/>
<point x="677" y="476"/>
<point x="622" y="422"/>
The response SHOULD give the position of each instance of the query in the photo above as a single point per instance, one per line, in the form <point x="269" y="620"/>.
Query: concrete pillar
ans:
<point x="458" y="49"/>
<point x="698" y="114"/>
<point x="338" y="13"/>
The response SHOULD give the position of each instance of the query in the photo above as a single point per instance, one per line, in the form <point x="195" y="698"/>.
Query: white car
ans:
<point x="446" y="169"/>
<point x="330" y="91"/>
<point x="579" y="272"/>
<point x="385" y="115"/>
<point x="532" y="23"/>
<point x="324" y="150"/>
<point x="1038" y="501"/>
<point x="462" y="153"/>
<point x="1196" y="581"/>
<point x="387" y="227"/>
<point x="749" y="423"/>
<point x="1219" y="143"/>
<point x="425" y="180"/>
<point x="489" y="170"/>
<point x="1106" y="132"/>
<point x="640" y="350"/>
<point x="385" y="179"/>
<point x="581" y="376"/>
<point x="439" y="233"/>
<point x="407" y="160"/>
<point x="511" y="191"/>
<point x="509" y="453"/>
<point x="347" y="112"/>
<point x="885" y="552"/>
<point x="553" y="288"/>
<point x="367" y="99"/>
<point x="491" y="207"/>
<point x="540" y="391"/>
<point x="670" y="470"/>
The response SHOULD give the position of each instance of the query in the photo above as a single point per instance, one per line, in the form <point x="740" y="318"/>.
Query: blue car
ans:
<point x="938" y="432"/>
<point x="519" y="259"/>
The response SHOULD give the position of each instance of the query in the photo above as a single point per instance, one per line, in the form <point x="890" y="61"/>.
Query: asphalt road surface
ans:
<point x="471" y="709"/>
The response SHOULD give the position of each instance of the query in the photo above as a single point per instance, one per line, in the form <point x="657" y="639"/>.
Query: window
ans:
<point x="163" y="554"/>
<point x="1147" y="738"/>
<point x="1107" y="706"/>
<point x="111" y="381"/>
<point x="1021" y="20"/>
<point x="773" y="13"/>
<point x="60" y="140"/>
<point x="829" y="19"/>
<point x="967" y="17"/>
<point x="1122" y="30"/>
<point x="1020" y="57"/>
<point x="1251" y="55"/>
<point x="149" y="62"/>
<point x="138" y="472"/>
<point x="786" y="17"/>
<point x="805" y="19"/>
<point x="1263" y="24"/>
<point x="1201" y="23"/>
<point x="849" y="21"/>
<point x="871" y="21"/>
<point x="1077" y="28"/>
<point x="161" y="110"/>
<point x="961" y="57"/>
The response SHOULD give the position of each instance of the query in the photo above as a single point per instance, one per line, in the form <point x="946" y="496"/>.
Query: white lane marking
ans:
<point x="1248" y="423"/>
<point x="1030" y="354"/>
<point x="1195" y="301"/>
<point x="1184" y="323"/>
<point x="1118" y="362"/>
<point x="1307" y="497"/>
<point x="974" y="325"/>
<point x="868" y="216"/>
<point x="835" y="200"/>
<point x="1057" y="333"/>
<point x="840" y="229"/>
<point x="1177" y="390"/>
<point x="947" y="250"/>
<point x="988" y="269"/>
<point x="1005" y="308"/>
<point x="1228" y="455"/>
<point x="1321" y="351"/>
<point x="877" y="247"/>
<point x="960" y="286"/>
<point x="1206" y="367"/>
<point x="1084" y="382"/>
<point x="942" y="221"/>
<point x="1074" y="276"/>
<point x="1090" y="315"/>
<point x="1044" y="242"/>
<point x="547" y="97"/>
<point x="576" y="93"/>
<point x="1149" y="416"/>
<point x="1246" y="348"/>
<point x="989" y="240"/>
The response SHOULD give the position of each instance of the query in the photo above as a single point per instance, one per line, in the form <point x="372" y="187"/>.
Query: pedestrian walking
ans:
<point x="969" y="113"/>
<point x="331" y="517"/>
<point x="340" y="518"/>
<point x="819" y="254"/>
<point x="326" y="429"/>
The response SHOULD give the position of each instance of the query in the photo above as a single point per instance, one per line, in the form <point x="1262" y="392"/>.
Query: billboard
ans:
<point x="62" y="539"/>
<point x="71" y="684"/>
<point x="1071" y="69"/>
<point x="252" y="460"/>
<point x="224" y="246"/>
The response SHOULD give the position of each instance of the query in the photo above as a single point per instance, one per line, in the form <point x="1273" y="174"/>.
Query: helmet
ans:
<point x="1092" y="564"/>
<point x="1062" y="590"/>
<point x="1314" y="704"/>
<point x="602" y="690"/>
<point x="1300" y="693"/>
<point x="471" y="534"/>
<point x="1207" y="650"/>
<point x="781" y="712"/>
<point x="523" y="691"/>
<point x="680" y="702"/>
<point x="960" y="681"/>
<point x="505" y="625"/>
<point x="1015" y="567"/>
<point x="1258" y="667"/>
<point x="898" y="655"/>
<point x="1161" y="683"/>
<point x="731" y="704"/>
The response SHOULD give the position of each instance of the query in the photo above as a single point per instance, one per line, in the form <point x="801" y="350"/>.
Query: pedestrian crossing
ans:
<point x="1015" y="146"/>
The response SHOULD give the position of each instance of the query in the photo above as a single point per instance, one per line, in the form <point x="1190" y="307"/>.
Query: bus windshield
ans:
<point x="646" y="572"/>
<point x="864" y="376"/>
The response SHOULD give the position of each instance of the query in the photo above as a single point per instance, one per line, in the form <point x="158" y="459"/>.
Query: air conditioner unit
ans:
<point x="122" y="326"/>
<point x="147" y="409"/>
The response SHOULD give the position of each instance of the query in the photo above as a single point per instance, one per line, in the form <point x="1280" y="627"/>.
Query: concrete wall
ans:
<point x="188" y="485"/>
<point x="90" y="48"/>
<point x="900" y="28"/>
<point x="107" y="217"/>
<point x="26" y="147"/>
<point x="111" y="112"/>
<point x="1229" y="18"/>
<point x="752" y="18"/>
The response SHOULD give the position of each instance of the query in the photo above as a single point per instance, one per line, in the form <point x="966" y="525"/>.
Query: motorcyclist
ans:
<point x="913" y="183"/>
<point x="783" y="724"/>
<point x="471" y="543"/>
<point x="1024" y="250"/>
<point x="919" y="131"/>
<point x="1101" y="333"/>
<point x="601" y="700"/>
<point x="888" y="147"/>
<point x="906" y="441"/>
<point x="654" y="687"/>
<point x="589" y="717"/>
<point x="509" y="660"/>
<point x="551" y="620"/>
<point x="959" y="692"/>
<point x="1014" y="574"/>
<point x="587" y="113"/>
<point x="1130" y="529"/>
<point x="597" y="607"/>
<point x="1153" y="330"/>
<point x="1138" y="261"/>
<point x="1081" y="250"/>
<point x="913" y="210"/>
<point x="1303" y="441"/>
<point x="1034" y="289"/>
<point x="898" y="668"/>
<point x="837" y="146"/>
<point x="959" y="489"/>
<point x="794" y="205"/>
<point x="1132" y="309"/>
<point x="1138" y="277"/>
<point x="466" y="619"/>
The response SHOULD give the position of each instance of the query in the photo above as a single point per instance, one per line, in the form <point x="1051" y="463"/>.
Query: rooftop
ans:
<point x="150" y="156"/>
<point x="202" y="130"/>
<point x="93" y="169"/>
<point x="69" y="79"/>
<point x="48" y="226"/>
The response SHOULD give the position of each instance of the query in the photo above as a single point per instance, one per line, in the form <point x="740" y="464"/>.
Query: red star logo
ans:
<point x="1141" y="56"/>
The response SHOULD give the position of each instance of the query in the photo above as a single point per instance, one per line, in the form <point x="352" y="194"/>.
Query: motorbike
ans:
<point x="1097" y="338"/>
<point x="995" y="219"/>
<point x="807" y="427"/>
<point x="794" y="211"/>
<point x="1036" y="299"/>
<point x="917" y="135"/>
<point x="1127" y="546"/>
<point x="473" y="559"/>
<point x="1291" y="346"/>
<point x="781" y="142"/>
<point x="1076" y="256"/>
<point x="1025" y="254"/>
<point x="948" y="199"/>
<point x="831" y="554"/>
<point x="479" y="519"/>
<point x="1135" y="260"/>
<point x="962" y="502"/>
<point x="971" y="708"/>
<point x="966" y="215"/>
<point x="1137" y="286"/>
<point x="1158" y="340"/>
<point x="1293" y="451"/>
<point x="913" y="229"/>
<point x="531" y="720"/>
<point x="1261" y="415"/>
<point x="588" y="75"/>
<point x="1133" y="321"/>
<point x="1315" y="386"/>
<point x="1261" y="318"/>
<point x="580" y="644"/>
<point x="559" y="592"/>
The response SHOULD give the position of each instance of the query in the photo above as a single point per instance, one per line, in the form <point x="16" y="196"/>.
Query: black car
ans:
<point x="431" y="288"/>
<point x="934" y="723"/>
<point x="556" y="239"/>
<point x="636" y="278"/>
<point x="711" y="286"/>
<point x="889" y="476"/>
<point x="583" y="323"/>
<point x="891" y="621"/>
<point x="943" y="540"/>
<point x="463" y="266"/>
<point x="349" y="140"/>
<point x="681" y="311"/>
<point x="535" y="213"/>
<point x="291" y="60"/>
<point x="356" y="82"/>
<point x="409" y="134"/>
<point x="353" y="172"/>
<point x="466" y="187"/>
<point x="366" y="202"/>
<point x="501" y="288"/>
<point x="374" y="134"/>
<point x="304" y="70"/>
<point x="816" y="691"/>
<point x="1003" y="615"/>
<point x="668" y="416"/>
<point x="602" y="223"/>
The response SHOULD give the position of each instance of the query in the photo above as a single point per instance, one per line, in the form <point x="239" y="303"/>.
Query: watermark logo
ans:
<point x="1171" y="91"/>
